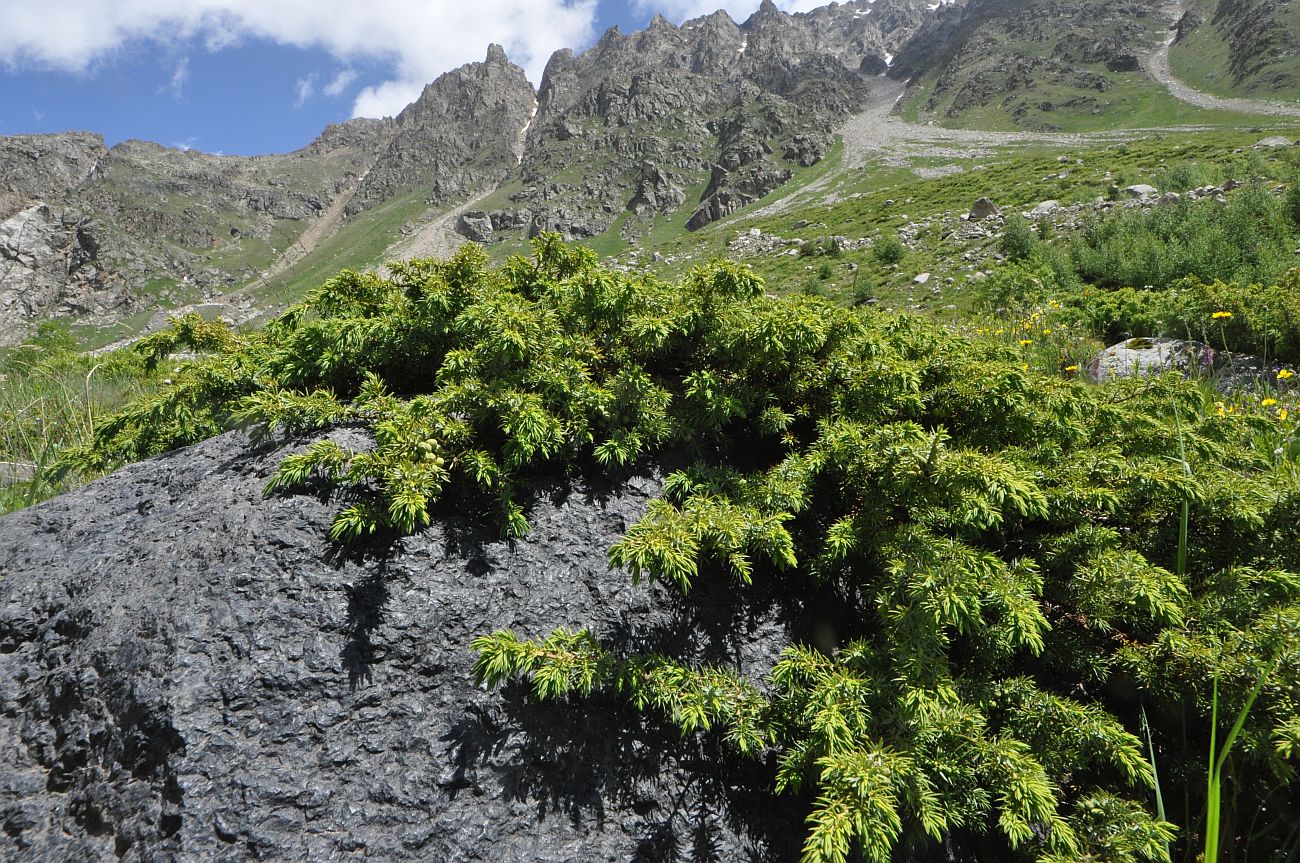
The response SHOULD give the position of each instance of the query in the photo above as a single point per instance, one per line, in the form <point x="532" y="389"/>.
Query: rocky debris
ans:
<point x="191" y="672"/>
<point x="921" y="279"/>
<point x="755" y="241"/>
<point x="1043" y="209"/>
<point x="984" y="209"/>
<point x="1274" y="142"/>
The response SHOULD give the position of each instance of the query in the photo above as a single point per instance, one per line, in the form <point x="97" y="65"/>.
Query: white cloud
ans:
<point x="341" y="82"/>
<point x="417" y="39"/>
<point x="179" y="76"/>
<point x="306" y="88"/>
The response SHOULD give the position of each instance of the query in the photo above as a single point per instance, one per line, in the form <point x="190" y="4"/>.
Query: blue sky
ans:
<point x="265" y="76"/>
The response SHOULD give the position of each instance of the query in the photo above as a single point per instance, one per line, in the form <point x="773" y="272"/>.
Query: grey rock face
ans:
<point x="190" y="672"/>
<point x="49" y="265"/>
<point x="732" y="106"/>
<point x="476" y="226"/>
<point x="657" y="192"/>
<point x="35" y="167"/>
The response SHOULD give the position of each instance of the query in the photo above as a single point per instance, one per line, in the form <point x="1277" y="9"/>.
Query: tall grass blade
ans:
<point x="1213" y="813"/>
<point x="1155" y="771"/>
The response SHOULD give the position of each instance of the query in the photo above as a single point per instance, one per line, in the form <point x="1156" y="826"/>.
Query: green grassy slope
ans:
<point x="1241" y="48"/>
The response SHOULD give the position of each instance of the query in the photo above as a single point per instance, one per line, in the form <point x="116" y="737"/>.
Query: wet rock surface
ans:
<point x="191" y="672"/>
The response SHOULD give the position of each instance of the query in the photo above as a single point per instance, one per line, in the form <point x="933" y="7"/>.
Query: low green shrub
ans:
<point x="888" y="249"/>
<point x="51" y="398"/>
<point x="1045" y="273"/>
<point x="1018" y="238"/>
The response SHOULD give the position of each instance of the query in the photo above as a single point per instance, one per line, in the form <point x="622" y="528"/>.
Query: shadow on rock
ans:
<point x="599" y="761"/>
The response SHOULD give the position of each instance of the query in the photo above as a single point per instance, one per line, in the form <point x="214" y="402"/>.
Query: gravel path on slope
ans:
<point x="436" y="238"/>
<point x="1158" y="66"/>
<point x="876" y="134"/>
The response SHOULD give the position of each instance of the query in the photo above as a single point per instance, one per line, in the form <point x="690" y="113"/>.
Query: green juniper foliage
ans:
<point x="1006" y="542"/>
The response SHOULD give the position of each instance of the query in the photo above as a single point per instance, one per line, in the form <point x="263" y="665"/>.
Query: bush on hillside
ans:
<point x="1018" y="238"/>
<point x="1250" y="239"/>
<point x="1292" y="199"/>
<point x="51" y="397"/>
<point x="1045" y="273"/>
<point x="888" y="249"/>
<point x="1001" y="544"/>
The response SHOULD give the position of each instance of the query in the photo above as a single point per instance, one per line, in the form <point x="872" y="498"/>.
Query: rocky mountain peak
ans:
<point x="462" y="134"/>
<point x="496" y="56"/>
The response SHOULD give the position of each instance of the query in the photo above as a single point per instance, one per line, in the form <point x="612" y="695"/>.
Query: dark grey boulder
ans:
<point x="191" y="672"/>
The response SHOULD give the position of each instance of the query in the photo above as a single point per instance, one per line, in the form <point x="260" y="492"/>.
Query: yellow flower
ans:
<point x="1219" y="409"/>
<point x="1072" y="368"/>
<point x="1268" y="402"/>
<point x="1219" y="316"/>
<point x="1047" y="332"/>
<point x="1282" y="414"/>
<point x="1024" y="343"/>
<point x="1284" y="374"/>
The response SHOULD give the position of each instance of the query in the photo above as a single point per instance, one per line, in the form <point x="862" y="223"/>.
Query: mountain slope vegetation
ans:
<point x="1240" y="48"/>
